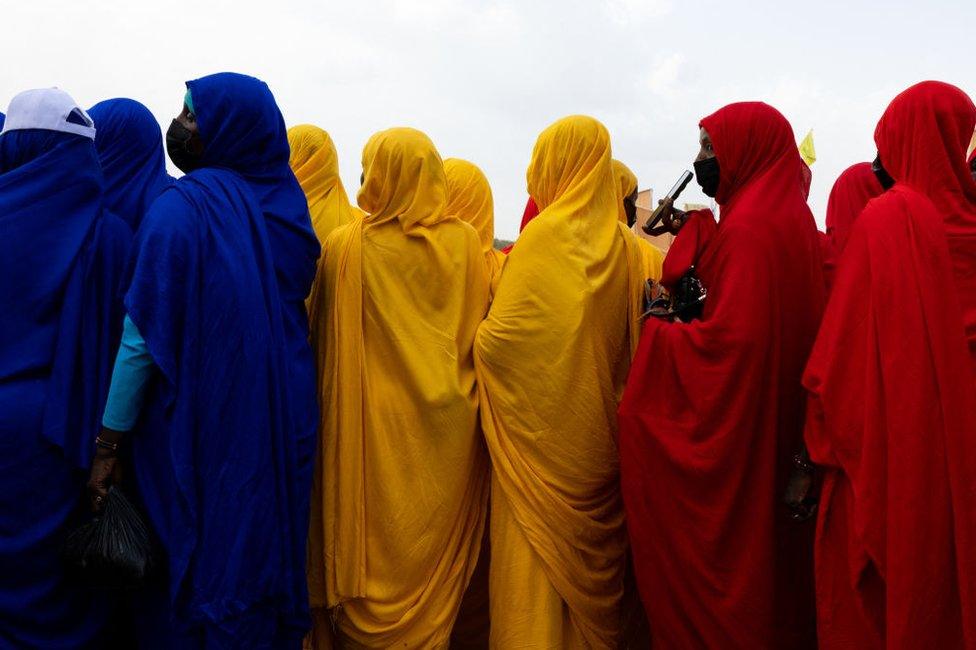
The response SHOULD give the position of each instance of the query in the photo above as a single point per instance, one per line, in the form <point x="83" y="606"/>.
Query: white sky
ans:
<point x="483" y="78"/>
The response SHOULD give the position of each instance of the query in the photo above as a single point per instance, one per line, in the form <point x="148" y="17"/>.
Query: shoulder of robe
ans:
<point x="888" y="215"/>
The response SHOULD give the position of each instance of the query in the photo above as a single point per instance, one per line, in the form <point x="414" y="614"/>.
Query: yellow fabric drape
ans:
<point x="652" y="258"/>
<point x="401" y="485"/>
<point x="469" y="199"/>
<point x="552" y="357"/>
<point x="315" y="164"/>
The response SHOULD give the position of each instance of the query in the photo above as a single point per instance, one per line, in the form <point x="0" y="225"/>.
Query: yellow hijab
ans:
<point x="469" y="199"/>
<point x="315" y="164"/>
<point x="652" y="258"/>
<point x="401" y="487"/>
<point x="552" y="357"/>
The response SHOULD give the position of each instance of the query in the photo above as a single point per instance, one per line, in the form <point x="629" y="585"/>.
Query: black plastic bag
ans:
<point x="114" y="550"/>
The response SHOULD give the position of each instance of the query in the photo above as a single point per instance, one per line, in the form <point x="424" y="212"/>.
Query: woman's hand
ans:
<point x="801" y="491"/>
<point x="672" y="219"/>
<point x="105" y="470"/>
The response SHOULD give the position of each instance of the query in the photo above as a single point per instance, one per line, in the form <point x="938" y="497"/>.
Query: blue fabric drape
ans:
<point x="243" y="130"/>
<point x="214" y="454"/>
<point x="61" y="259"/>
<point x="130" y="148"/>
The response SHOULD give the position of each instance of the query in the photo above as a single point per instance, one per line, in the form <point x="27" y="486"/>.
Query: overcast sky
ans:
<point x="483" y="78"/>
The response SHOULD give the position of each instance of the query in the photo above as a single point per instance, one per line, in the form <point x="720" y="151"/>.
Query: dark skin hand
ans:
<point x="672" y="218"/>
<point x="105" y="470"/>
<point x="801" y="489"/>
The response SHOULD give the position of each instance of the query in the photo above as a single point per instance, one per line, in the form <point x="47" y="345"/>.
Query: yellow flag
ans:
<point x="807" y="151"/>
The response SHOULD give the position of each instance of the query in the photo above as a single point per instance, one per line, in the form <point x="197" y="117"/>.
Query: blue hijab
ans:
<point x="61" y="259"/>
<point x="214" y="452"/>
<point x="130" y="148"/>
<point x="243" y="130"/>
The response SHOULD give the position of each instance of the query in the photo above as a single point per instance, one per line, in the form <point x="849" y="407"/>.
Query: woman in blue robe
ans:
<point x="62" y="257"/>
<point x="130" y="147"/>
<point x="206" y="381"/>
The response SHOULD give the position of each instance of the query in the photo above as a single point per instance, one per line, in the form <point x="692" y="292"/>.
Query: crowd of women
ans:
<point x="365" y="427"/>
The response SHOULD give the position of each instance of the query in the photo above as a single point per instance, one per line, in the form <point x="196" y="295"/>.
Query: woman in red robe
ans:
<point x="892" y="410"/>
<point x="713" y="410"/>
<point x="851" y="192"/>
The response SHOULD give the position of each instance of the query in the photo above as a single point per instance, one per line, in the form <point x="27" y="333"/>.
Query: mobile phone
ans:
<point x="672" y="194"/>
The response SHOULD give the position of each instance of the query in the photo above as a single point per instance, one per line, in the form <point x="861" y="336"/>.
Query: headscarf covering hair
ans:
<point x="130" y="148"/>
<point x="403" y="153"/>
<point x="469" y="199"/>
<point x="850" y="194"/>
<point x="315" y="163"/>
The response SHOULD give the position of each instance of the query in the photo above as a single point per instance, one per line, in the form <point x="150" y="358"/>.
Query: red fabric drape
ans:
<point x="713" y="412"/>
<point x="530" y="213"/>
<point x="851" y="192"/>
<point x="892" y="411"/>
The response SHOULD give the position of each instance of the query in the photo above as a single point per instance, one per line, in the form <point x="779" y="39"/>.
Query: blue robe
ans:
<point x="61" y="259"/>
<point x="243" y="130"/>
<point x="130" y="148"/>
<point x="214" y="453"/>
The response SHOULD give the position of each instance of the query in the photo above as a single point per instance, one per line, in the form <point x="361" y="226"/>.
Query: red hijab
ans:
<point x="530" y="213"/>
<point x="851" y="192"/>
<point x="713" y="412"/>
<point x="892" y="411"/>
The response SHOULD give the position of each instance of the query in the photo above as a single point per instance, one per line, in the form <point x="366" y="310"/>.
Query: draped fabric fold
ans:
<point x="469" y="199"/>
<point x="62" y="257"/>
<point x="214" y="453"/>
<point x="316" y="166"/>
<point x="401" y="488"/>
<point x="713" y="409"/>
<point x="130" y="149"/>
<point x="552" y="357"/>
<point x="895" y="538"/>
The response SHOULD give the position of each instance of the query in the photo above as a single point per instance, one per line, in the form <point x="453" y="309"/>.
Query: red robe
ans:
<point x="892" y="411"/>
<point x="713" y="412"/>
<point x="851" y="192"/>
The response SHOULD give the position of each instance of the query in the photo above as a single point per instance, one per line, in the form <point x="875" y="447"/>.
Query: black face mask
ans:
<point x="707" y="175"/>
<point x="178" y="147"/>
<point x="887" y="182"/>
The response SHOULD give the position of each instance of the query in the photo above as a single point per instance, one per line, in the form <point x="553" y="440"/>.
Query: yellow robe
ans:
<point x="315" y="164"/>
<point x="552" y="357"/>
<point x="652" y="257"/>
<point x="400" y="497"/>
<point x="469" y="199"/>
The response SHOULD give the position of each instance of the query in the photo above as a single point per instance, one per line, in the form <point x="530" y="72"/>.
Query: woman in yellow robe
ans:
<point x="552" y="357"/>
<point x="315" y="164"/>
<point x="469" y="199"/>
<point x="652" y="258"/>
<point x="400" y="498"/>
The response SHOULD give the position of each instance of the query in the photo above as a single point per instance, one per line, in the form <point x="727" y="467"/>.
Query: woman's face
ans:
<point x="706" y="151"/>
